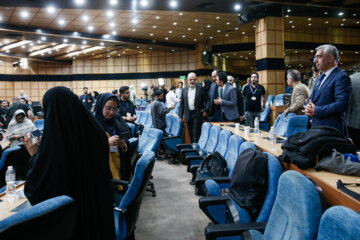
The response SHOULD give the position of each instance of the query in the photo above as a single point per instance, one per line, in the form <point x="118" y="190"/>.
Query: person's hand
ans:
<point x="172" y="107"/>
<point x="286" y="111"/>
<point x="89" y="101"/>
<point x="217" y="101"/>
<point x="114" y="140"/>
<point x="31" y="144"/>
<point x="204" y="114"/>
<point x="122" y="144"/>
<point x="14" y="137"/>
<point x="310" y="109"/>
<point x="241" y="118"/>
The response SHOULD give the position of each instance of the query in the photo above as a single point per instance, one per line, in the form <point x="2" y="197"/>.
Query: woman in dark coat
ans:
<point x="72" y="159"/>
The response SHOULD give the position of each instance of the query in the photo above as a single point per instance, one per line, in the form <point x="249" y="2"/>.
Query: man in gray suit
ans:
<point x="227" y="99"/>
<point x="299" y="95"/>
<point x="353" y="114"/>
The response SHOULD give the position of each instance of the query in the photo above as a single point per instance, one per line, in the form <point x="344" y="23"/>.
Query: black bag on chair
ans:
<point x="214" y="165"/>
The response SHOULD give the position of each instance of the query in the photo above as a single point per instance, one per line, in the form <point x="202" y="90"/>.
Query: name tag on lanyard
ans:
<point x="114" y="149"/>
<point x="253" y="93"/>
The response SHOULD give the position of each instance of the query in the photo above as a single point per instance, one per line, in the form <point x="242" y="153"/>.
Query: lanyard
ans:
<point x="253" y="91"/>
<point x="111" y="131"/>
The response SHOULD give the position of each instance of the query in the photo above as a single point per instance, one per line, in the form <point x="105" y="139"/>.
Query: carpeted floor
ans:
<point x="174" y="213"/>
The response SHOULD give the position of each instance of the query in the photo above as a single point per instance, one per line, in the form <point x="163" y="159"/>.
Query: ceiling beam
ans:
<point x="44" y="50"/>
<point x="14" y="45"/>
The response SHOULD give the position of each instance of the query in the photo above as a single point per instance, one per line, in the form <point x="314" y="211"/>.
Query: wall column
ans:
<point x="269" y="40"/>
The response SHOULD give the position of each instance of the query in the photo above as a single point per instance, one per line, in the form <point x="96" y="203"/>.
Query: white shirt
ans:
<point x="327" y="73"/>
<point x="191" y="98"/>
<point x="171" y="99"/>
<point x="178" y="92"/>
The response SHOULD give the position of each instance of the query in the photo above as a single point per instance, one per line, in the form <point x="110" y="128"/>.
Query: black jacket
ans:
<point x="200" y="102"/>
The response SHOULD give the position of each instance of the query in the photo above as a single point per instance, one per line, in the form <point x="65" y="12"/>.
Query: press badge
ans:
<point x="114" y="149"/>
<point x="253" y="98"/>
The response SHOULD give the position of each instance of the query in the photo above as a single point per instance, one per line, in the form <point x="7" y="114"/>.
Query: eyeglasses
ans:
<point x="108" y="108"/>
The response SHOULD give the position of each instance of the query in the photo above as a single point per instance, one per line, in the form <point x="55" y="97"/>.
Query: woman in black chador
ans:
<point x="72" y="159"/>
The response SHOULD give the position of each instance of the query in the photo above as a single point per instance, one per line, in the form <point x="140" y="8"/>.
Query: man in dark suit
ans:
<point x="86" y="99"/>
<point x="192" y="107"/>
<point x="212" y="109"/>
<point x="227" y="99"/>
<point x="330" y="97"/>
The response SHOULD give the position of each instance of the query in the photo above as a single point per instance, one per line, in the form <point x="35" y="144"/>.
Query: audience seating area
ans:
<point x="290" y="124"/>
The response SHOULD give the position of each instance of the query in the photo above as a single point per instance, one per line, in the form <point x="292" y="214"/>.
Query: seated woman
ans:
<point x="72" y="159"/>
<point x="105" y="110"/>
<point x="18" y="126"/>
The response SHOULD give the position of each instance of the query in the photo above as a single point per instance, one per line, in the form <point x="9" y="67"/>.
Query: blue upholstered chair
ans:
<point x="290" y="124"/>
<point x="4" y="164"/>
<point x="340" y="223"/>
<point x="54" y="218"/>
<point x="127" y="211"/>
<point x="232" y="154"/>
<point x="270" y="100"/>
<point x="139" y="117"/>
<point x="295" y="215"/>
<point x="39" y="124"/>
<point x="264" y="119"/>
<point x="138" y="102"/>
<point x="150" y="140"/>
<point x="168" y="123"/>
<point x="132" y="127"/>
<point x="279" y="100"/>
<point x="148" y="120"/>
<point x="169" y="143"/>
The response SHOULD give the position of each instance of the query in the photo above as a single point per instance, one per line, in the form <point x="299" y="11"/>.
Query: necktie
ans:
<point x="222" y="93"/>
<point x="317" y="87"/>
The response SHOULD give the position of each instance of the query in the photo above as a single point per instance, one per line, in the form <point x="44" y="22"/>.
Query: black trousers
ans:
<point x="194" y="126"/>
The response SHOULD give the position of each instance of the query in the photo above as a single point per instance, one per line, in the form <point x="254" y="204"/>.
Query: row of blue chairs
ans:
<point x="277" y="100"/>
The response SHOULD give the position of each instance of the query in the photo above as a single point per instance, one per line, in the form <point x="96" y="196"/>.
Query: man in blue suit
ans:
<point x="213" y="110"/>
<point x="330" y="97"/>
<point x="227" y="99"/>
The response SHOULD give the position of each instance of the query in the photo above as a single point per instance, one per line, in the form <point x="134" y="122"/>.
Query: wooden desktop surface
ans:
<point x="6" y="208"/>
<point x="326" y="180"/>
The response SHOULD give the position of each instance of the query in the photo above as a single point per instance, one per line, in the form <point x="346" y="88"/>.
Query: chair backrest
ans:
<point x="233" y="151"/>
<point x="279" y="100"/>
<point x="270" y="100"/>
<point x="168" y="123"/>
<point x="265" y="114"/>
<point x="39" y="124"/>
<point x="138" y="102"/>
<point x="176" y="126"/>
<point x="281" y="123"/>
<point x="297" y="209"/>
<point x="205" y="132"/>
<point x="54" y="218"/>
<point x="246" y="145"/>
<point x="139" y="116"/>
<point x="148" y="119"/>
<point x="340" y="223"/>
<point x="223" y="144"/>
<point x="144" y="103"/>
<point x="4" y="164"/>
<point x="132" y="127"/>
<point x="213" y="139"/>
<point x="149" y="140"/>
<point x="274" y="173"/>
<point x="290" y="124"/>
<point x="131" y="202"/>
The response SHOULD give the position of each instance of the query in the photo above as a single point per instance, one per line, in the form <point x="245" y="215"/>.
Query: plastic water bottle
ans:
<point x="272" y="135"/>
<point x="256" y="125"/>
<point x="10" y="184"/>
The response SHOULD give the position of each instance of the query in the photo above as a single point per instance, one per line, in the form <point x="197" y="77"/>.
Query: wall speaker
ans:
<point x="207" y="58"/>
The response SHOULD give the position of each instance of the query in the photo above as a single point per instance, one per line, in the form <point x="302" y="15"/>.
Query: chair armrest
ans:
<point x="120" y="182"/>
<point x="201" y="181"/>
<point x="193" y="170"/>
<point x="213" y="231"/>
<point x="184" y="146"/>
<point x="171" y="137"/>
<point x="185" y="151"/>
<point x="189" y="158"/>
<point x="204" y="202"/>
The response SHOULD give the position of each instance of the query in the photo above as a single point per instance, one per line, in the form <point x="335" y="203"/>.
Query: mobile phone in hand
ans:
<point x="124" y="135"/>
<point x="37" y="133"/>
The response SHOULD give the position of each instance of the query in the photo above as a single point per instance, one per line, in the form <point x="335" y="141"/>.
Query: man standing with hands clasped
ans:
<point x="330" y="97"/>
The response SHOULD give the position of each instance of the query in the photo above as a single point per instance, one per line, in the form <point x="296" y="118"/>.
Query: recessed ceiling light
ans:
<point x="296" y="51"/>
<point x="357" y="22"/>
<point x="356" y="52"/>
<point x="134" y="20"/>
<point x="217" y="17"/>
<point x="43" y="38"/>
<point x="342" y="24"/>
<point x="24" y="14"/>
<point x="119" y="54"/>
<point x="113" y="33"/>
<point x="108" y="56"/>
<point x="344" y="20"/>
<point x="42" y="54"/>
<point x="84" y="42"/>
<point x="211" y="37"/>
<point x="75" y="33"/>
<point x="236" y="28"/>
<point x="53" y="44"/>
<point x="154" y="26"/>
<point x="325" y="13"/>
<point x="174" y="23"/>
<point x="31" y="44"/>
<point x="287" y="16"/>
<point x="292" y="26"/>
<point x="30" y="50"/>
<point x="183" y="36"/>
<point x="208" y="26"/>
<point x="226" y="35"/>
<point x="326" y="22"/>
<point x="237" y="7"/>
<point x="196" y="20"/>
<point x="173" y="4"/>
<point x="23" y="46"/>
<point x="73" y="45"/>
<point x="166" y="38"/>
<point x="151" y="34"/>
<point x="195" y="39"/>
<point x="79" y="2"/>
<point x="173" y="50"/>
<point x="201" y="33"/>
<point x="39" y="41"/>
<point x="157" y="17"/>
<point x="67" y="51"/>
<point x="289" y="10"/>
<point x="109" y="13"/>
<point x="254" y="26"/>
<point x="309" y="24"/>
<point x="85" y="18"/>
<point x="90" y="28"/>
<point x="50" y="9"/>
<point x="189" y="29"/>
<point x="137" y="47"/>
<point x="113" y="2"/>
<point x="108" y="50"/>
<point x="218" y="30"/>
<point x="101" y="43"/>
<point x="228" y="23"/>
<point x="112" y="24"/>
<point x="62" y="22"/>
<point x="340" y="13"/>
<point x="7" y="41"/>
<point x="49" y="52"/>
<point x="312" y="51"/>
<point x="134" y="30"/>
<point x="309" y="19"/>
<point x="170" y="32"/>
<point x="106" y="36"/>
<point x="290" y="21"/>
<point x="354" y="14"/>
<point x="243" y="33"/>
<point x="181" y="13"/>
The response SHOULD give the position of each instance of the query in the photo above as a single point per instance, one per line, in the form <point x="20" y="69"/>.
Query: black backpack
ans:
<point x="214" y="165"/>
<point x="248" y="186"/>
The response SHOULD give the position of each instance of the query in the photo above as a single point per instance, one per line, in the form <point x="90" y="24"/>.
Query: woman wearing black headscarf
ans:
<point x="105" y="111"/>
<point x="72" y="159"/>
<point x="207" y="85"/>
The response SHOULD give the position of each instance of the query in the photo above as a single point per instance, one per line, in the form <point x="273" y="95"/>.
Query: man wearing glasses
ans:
<point x="330" y="96"/>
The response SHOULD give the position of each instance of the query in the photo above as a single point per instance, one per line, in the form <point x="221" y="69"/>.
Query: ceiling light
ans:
<point x="237" y="7"/>
<point x="201" y="33"/>
<point x="134" y="30"/>
<point x="289" y="10"/>
<point x="84" y="42"/>
<point x="342" y="24"/>
<point x="101" y="43"/>
<point x="31" y="44"/>
<point x="183" y="36"/>
<point x="109" y="13"/>
<point x="254" y="26"/>
<point x="290" y="21"/>
<point x="67" y="51"/>
<point x="340" y="13"/>
<point x="170" y="32"/>
<point x="157" y="17"/>
<point x="113" y="2"/>
<point x="7" y="41"/>
<point x="325" y="13"/>
<point x="50" y="9"/>
<point x="30" y="50"/>
<point x="137" y="47"/>
<point x="154" y="26"/>
<point x="208" y="26"/>
<point x="106" y="36"/>
<point x="344" y="20"/>
<point x="134" y="20"/>
<point x="39" y="41"/>
<point x="166" y="38"/>
<point x="357" y="22"/>
<point x="53" y="44"/>
<point x="173" y="4"/>
<point x="292" y="26"/>
<point x="228" y="23"/>
<point x="65" y="40"/>
<point x="79" y="2"/>
<point x="309" y="24"/>
<point x="196" y="20"/>
<point x="23" y="46"/>
<point x="236" y="28"/>
<point x="217" y="17"/>
<point x="173" y="50"/>
<point x="211" y="37"/>
<point x="309" y="19"/>
<point x="112" y="24"/>
<point x="151" y="34"/>
<point x="85" y="18"/>
<point x="49" y="52"/>
<point x="113" y="33"/>
<point x="43" y="38"/>
<point x="61" y="22"/>
<point x="356" y="52"/>
<point x="243" y="33"/>
<point x="195" y="39"/>
<point x="226" y="35"/>
<point x="24" y="14"/>
<point x="123" y="52"/>
<point x="218" y="30"/>
<point x="181" y="14"/>
<point x="174" y="23"/>
<point x="90" y="28"/>
<point x="287" y="16"/>
<point x="326" y="22"/>
<point x="75" y="33"/>
<point x="189" y="29"/>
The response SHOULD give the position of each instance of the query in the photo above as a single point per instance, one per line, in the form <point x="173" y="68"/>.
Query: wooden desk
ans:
<point x="6" y="208"/>
<point x="326" y="180"/>
<point x="274" y="112"/>
<point x="4" y="144"/>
